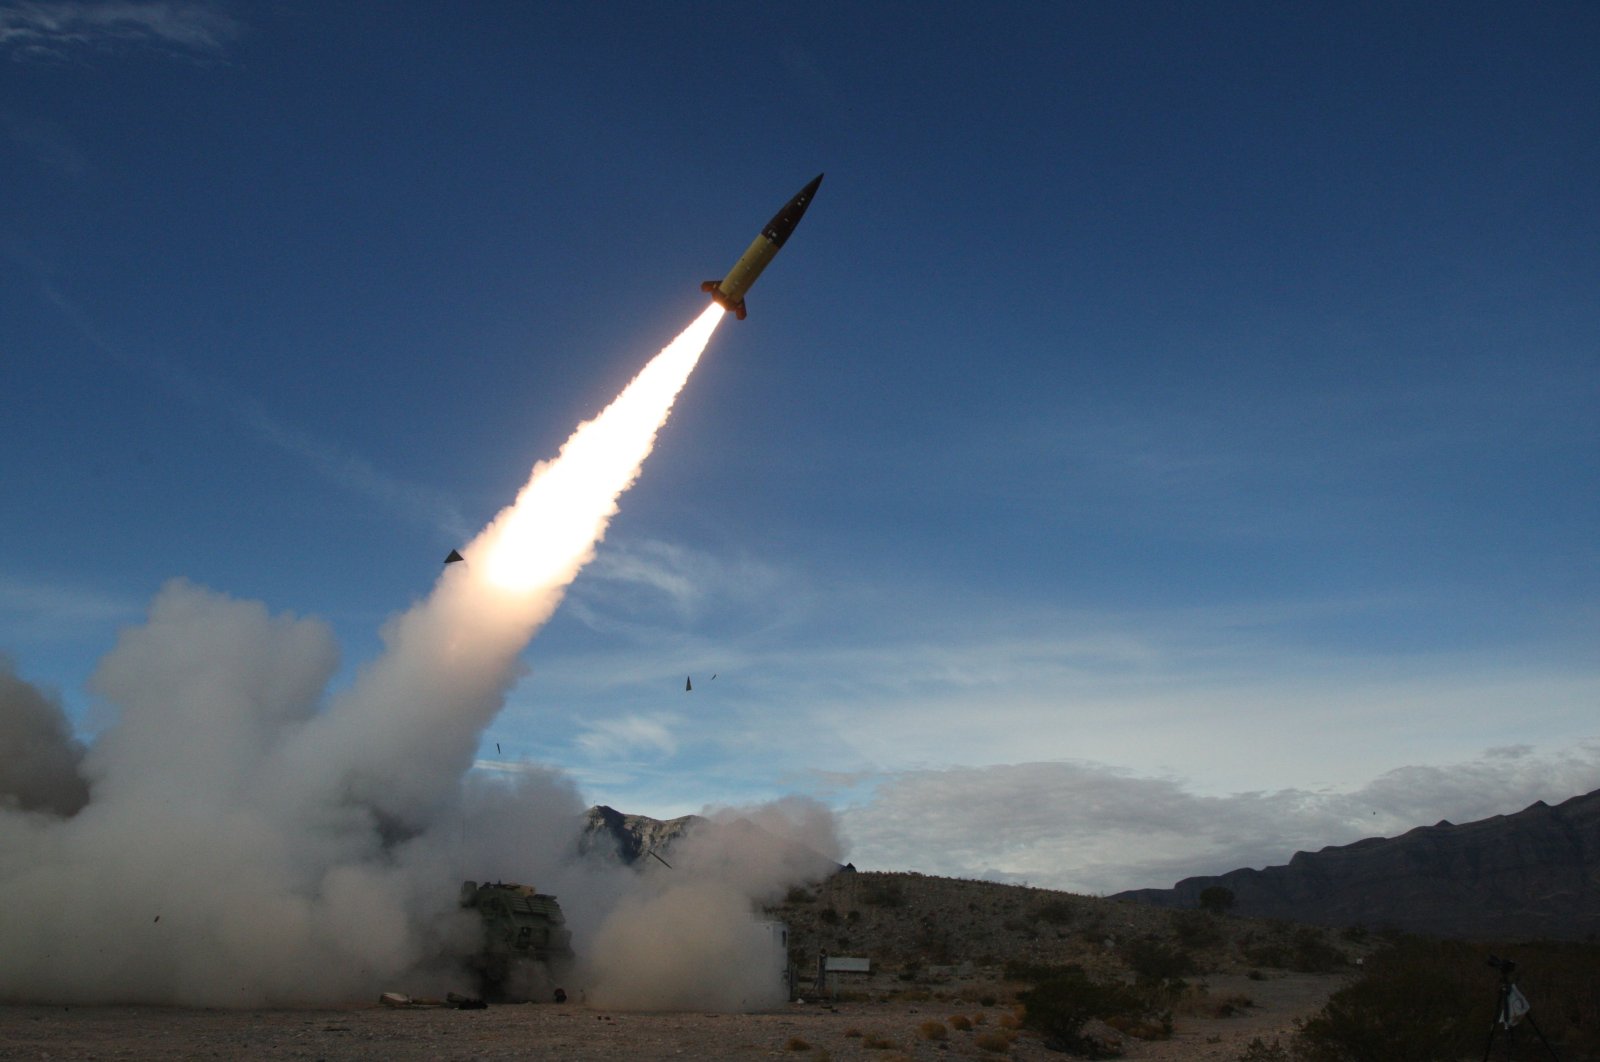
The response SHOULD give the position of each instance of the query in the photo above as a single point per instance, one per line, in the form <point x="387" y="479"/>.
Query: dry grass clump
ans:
<point x="960" y="1023"/>
<point x="933" y="1030"/>
<point x="1010" y="1021"/>
<point x="874" y="1042"/>
<point x="794" y="1043"/>
<point x="994" y="1040"/>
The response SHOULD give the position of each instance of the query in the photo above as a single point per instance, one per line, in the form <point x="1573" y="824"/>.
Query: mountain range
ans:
<point x="1532" y="874"/>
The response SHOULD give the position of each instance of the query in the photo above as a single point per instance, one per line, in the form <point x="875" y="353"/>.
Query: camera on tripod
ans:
<point x="1511" y="1007"/>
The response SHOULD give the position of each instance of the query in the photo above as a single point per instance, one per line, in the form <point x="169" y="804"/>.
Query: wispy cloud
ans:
<point x="56" y="30"/>
<point x="630" y="735"/>
<point x="35" y="611"/>
<point x="643" y="585"/>
<point x="1246" y="696"/>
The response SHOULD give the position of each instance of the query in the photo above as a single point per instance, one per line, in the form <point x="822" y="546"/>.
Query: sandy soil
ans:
<point x="846" y="1031"/>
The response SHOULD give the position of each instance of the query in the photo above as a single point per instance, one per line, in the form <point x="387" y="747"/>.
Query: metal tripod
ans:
<point x="1506" y="1017"/>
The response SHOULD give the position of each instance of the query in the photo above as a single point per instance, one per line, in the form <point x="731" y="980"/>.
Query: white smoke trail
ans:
<point x="239" y="846"/>
<point x="409" y="727"/>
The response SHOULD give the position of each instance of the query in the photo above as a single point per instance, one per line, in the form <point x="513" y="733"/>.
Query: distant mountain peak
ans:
<point x="632" y="837"/>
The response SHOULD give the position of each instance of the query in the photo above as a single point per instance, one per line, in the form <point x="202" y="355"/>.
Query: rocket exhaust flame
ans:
<point x="552" y="528"/>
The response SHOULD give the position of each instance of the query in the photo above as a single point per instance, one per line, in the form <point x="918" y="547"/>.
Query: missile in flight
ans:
<point x="729" y="291"/>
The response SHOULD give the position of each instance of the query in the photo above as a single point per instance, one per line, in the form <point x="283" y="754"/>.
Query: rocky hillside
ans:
<point x="1532" y="874"/>
<point x="917" y="928"/>
<point x="632" y="837"/>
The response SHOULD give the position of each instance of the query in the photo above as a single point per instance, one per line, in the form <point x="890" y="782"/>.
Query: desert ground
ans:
<point x="939" y="988"/>
<point x="805" y="1032"/>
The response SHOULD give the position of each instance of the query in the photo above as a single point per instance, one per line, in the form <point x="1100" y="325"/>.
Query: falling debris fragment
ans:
<point x="497" y="748"/>
<point x="688" y="684"/>
<point x="454" y="558"/>
<point x="658" y="859"/>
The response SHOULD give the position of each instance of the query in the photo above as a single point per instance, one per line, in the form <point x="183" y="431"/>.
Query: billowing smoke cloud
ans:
<point x="247" y="840"/>
<point x="687" y="939"/>
<point x="39" y="759"/>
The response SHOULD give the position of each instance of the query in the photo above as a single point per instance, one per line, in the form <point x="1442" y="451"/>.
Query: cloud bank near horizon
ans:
<point x="1091" y="828"/>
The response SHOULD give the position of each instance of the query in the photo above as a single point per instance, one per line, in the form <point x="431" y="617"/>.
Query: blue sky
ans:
<point x="1170" y="440"/>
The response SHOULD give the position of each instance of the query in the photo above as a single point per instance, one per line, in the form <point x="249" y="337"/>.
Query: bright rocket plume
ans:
<point x="538" y="544"/>
<point x="451" y="658"/>
<point x="236" y="837"/>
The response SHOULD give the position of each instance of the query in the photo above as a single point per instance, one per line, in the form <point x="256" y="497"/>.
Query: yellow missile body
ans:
<point x="729" y="291"/>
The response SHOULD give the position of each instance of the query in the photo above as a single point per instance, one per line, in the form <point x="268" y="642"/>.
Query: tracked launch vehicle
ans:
<point x="527" y="949"/>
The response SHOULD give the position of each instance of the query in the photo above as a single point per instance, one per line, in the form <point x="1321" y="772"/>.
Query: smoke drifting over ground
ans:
<point x="237" y="838"/>
<point x="685" y="939"/>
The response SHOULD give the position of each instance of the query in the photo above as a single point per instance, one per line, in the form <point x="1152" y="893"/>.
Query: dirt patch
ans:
<point x="879" y="1031"/>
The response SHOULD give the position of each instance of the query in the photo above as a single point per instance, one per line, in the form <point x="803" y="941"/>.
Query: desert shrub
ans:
<point x="1034" y="972"/>
<point x="798" y="894"/>
<point x="998" y="1042"/>
<point x="1196" y="929"/>
<point x="1313" y="954"/>
<point x="1155" y="963"/>
<point x="852" y="1033"/>
<point x="934" y="945"/>
<point x="1423" y="999"/>
<point x="828" y="916"/>
<point x="933" y="1030"/>
<point x="1018" y="925"/>
<point x="1419" y="1001"/>
<point x="1258" y="1050"/>
<point x="874" y="1042"/>
<point x="884" y="892"/>
<point x="1273" y="954"/>
<point x="794" y="1043"/>
<point x="960" y="1023"/>
<point x="1354" y="934"/>
<point x="1217" y="899"/>
<point x="1056" y="912"/>
<point x="1059" y="1007"/>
